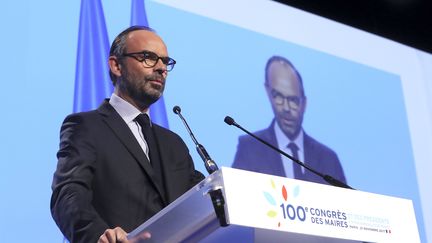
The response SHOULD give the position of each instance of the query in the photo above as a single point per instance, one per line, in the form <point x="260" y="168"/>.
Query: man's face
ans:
<point x="284" y="92"/>
<point x="140" y="84"/>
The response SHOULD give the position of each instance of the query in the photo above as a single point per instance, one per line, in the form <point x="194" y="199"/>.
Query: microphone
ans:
<point x="209" y="164"/>
<point x="332" y="181"/>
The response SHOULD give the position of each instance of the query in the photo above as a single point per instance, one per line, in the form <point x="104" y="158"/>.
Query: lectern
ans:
<point x="256" y="207"/>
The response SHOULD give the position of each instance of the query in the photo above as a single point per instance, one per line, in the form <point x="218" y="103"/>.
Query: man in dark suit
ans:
<point x="115" y="168"/>
<point x="284" y="87"/>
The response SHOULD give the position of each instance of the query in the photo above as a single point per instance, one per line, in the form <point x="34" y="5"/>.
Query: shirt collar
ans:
<point x="126" y="110"/>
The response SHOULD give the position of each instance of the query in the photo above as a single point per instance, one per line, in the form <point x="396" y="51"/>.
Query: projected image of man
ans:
<point x="284" y="87"/>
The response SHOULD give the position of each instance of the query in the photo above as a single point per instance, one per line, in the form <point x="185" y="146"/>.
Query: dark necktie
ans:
<point x="298" y="174"/>
<point x="144" y="121"/>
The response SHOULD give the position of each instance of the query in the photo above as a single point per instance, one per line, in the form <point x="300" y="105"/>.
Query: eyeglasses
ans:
<point x="293" y="101"/>
<point x="151" y="59"/>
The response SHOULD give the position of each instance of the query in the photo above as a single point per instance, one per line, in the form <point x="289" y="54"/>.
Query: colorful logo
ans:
<point x="278" y="197"/>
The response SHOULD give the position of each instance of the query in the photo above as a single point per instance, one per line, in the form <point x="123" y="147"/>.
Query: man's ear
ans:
<point x="114" y="66"/>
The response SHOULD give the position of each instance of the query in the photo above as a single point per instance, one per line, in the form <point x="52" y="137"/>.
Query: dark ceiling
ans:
<point x="405" y="21"/>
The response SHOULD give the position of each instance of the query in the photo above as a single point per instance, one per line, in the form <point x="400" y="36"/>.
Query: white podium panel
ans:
<point x="265" y="208"/>
<point x="263" y="201"/>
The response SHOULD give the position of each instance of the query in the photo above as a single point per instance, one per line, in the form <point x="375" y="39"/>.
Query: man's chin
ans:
<point x="290" y="132"/>
<point x="156" y="92"/>
<point x="157" y="86"/>
<point x="153" y="98"/>
<point x="147" y="99"/>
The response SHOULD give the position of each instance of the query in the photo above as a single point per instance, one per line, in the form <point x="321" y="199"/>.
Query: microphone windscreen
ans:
<point x="228" y="120"/>
<point x="176" y="109"/>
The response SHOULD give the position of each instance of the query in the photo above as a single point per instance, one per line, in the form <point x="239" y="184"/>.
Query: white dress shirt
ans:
<point x="129" y="112"/>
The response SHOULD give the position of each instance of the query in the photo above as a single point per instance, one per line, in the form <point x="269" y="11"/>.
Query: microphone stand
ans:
<point x="216" y="195"/>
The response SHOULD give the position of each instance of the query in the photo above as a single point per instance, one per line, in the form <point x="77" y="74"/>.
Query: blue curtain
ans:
<point x="92" y="82"/>
<point x="139" y="17"/>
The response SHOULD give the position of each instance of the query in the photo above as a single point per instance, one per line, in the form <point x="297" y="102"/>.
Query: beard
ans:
<point x="141" y="89"/>
<point x="290" y="125"/>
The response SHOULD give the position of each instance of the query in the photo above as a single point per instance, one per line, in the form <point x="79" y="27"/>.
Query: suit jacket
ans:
<point x="104" y="179"/>
<point x="254" y="156"/>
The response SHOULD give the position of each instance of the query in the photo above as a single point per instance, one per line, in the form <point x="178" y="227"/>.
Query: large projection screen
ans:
<point x="369" y="98"/>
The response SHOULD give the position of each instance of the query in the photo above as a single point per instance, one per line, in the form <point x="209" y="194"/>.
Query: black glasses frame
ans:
<point x="279" y="99"/>
<point x="151" y="59"/>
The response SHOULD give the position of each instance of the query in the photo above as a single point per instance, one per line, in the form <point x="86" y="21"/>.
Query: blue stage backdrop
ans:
<point x="369" y="98"/>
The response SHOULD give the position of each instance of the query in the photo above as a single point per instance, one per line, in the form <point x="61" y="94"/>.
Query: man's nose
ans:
<point x="161" y="68"/>
<point x="161" y="71"/>
<point x="286" y="105"/>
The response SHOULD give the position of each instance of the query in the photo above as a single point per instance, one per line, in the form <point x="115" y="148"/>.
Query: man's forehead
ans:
<point x="282" y="70"/>
<point x="141" y="38"/>
<point x="280" y="67"/>
<point x="141" y="33"/>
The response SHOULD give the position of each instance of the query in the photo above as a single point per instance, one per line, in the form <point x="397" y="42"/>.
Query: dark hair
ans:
<point x="283" y="60"/>
<point x="118" y="46"/>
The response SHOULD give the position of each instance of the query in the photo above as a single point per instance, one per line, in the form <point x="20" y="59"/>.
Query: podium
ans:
<point x="264" y="208"/>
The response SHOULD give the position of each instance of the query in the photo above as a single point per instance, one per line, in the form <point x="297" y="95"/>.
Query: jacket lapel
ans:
<point x="123" y="132"/>
<point x="311" y="158"/>
<point x="272" y="156"/>
<point x="309" y="154"/>
<point x="164" y="159"/>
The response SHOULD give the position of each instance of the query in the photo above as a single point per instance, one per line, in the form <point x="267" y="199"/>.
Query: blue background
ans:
<point x="356" y="110"/>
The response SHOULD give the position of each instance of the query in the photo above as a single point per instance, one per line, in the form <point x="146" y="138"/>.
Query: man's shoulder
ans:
<point x="166" y="133"/>
<point x="311" y="143"/>
<point x="105" y="109"/>
<point x="81" y="117"/>
<point x="265" y="134"/>
<point x="83" y="114"/>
